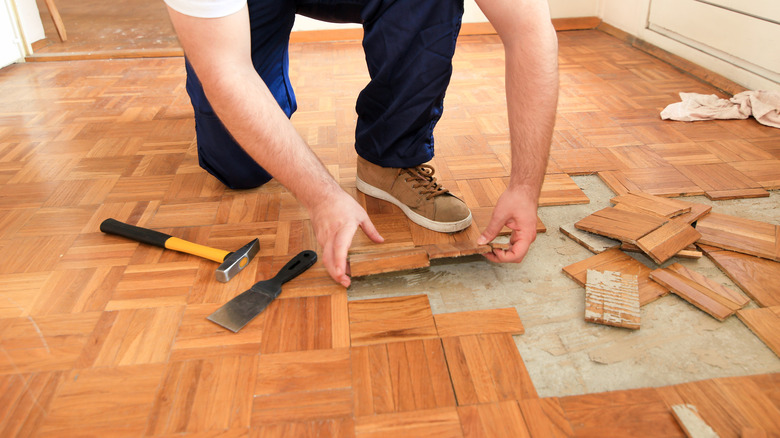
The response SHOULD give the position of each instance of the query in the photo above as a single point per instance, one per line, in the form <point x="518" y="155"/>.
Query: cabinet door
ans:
<point x="743" y="33"/>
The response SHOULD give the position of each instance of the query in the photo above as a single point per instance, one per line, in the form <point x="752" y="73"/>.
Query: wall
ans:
<point x="11" y="47"/>
<point x="632" y="16"/>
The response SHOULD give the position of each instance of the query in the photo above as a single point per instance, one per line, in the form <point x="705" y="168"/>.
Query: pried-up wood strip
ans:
<point x="701" y="296"/>
<point x="612" y="298"/>
<point x="391" y="319"/>
<point x="592" y="242"/>
<point x="724" y="291"/>
<point x="478" y="322"/>
<point x="363" y="264"/>
<point x="616" y="260"/>
<point x="757" y="277"/>
<point x="765" y="323"/>
<point x="672" y="237"/>
<point x="666" y="207"/>
<point x="691" y="422"/>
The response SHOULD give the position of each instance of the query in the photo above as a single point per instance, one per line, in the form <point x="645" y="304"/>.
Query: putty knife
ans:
<point x="237" y="312"/>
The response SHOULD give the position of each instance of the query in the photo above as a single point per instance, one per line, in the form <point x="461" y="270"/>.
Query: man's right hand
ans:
<point x="335" y="221"/>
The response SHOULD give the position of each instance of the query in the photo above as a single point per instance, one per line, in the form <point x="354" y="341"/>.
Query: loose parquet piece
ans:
<point x="612" y="298"/>
<point x="691" y="422"/>
<point x="668" y="240"/>
<point x="616" y="260"/>
<point x="620" y="224"/>
<point x="721" y="181"/>
<point x="731" y="294"/>
<point x="400" y="377"/>
<point x="487" y="368"/>
<point x="666" y="207"/>
<point x="765" y="323"/>
<point x="443" y="422"/>
<point x="708" y="297"/>
<point x="384" y="320"/>
<point x="479" y="322"/>
<point x="757" y="277"/>
<point x="738" y="234"/>
<point x="690" y="251"/>
<point x="593" y="242"/>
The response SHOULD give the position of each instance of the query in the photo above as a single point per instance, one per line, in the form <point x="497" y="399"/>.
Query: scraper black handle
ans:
<point x="295" y="267"/>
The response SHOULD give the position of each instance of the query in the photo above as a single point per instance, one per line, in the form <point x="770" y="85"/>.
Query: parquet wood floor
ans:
<point x="102" y="336"/>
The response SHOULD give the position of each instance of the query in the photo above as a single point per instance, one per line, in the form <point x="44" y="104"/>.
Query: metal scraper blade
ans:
<point x="237" y="313"/>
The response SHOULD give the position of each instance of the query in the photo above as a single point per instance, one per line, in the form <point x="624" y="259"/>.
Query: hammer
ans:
<point x="231" y="263"/>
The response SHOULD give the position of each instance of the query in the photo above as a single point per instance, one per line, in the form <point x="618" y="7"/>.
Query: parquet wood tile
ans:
<point x="560" y="189"/>
<point x="617" y="261"/>
<point x="337" y="428"/>
<point x="205" y="394"/>
<point x="765" y="323"/>
<point x="738" y="234"/>
<point x="106" y="401"/>
<point x="612" y="298"/>
<point x="722" y="181"/>
<point x="400" y="377"/>
<point x="667" y="241"/>
<point x="383" y="320"/>
<point x="660" y="181"/>
<point x="545" y="417"/>
<point x="666" y="207"/>
<point x="487" y="368"/>
<point x="25" y="401"/>
<point x="711" y="297"/>
<point x="765" y="172"/>
<point x="300" y="324"/>
<point x="479" y="322"/>
<point x="443" y="422"/>
<point x="627" y="226"/>
<point x="496" y="419"/>
<point x="583" y="161"/>
<point x="754" y="275"/>
<point x="363" y="264"/>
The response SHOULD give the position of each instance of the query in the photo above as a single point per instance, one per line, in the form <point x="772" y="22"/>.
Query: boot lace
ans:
<point x="424" y="181"/>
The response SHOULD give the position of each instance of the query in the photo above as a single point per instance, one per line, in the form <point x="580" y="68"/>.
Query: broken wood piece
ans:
<point x="691" y="422"/>
<point x="478" y="322"/>
<point x="371" y="263"/>
<point x="663" y="243"/>
<point x="757" y="277"/>
<point x="765" y="323"/>
<point x="616" y="260"/>
<point x="627" y="226"/>
<point x="747" y="236"/>
<point x="712" y="301"/>
<point x="612" y="298"/>
<point x="697" y="212"/>
<point x="659" y="205"/>
<point x="592" y="242"/>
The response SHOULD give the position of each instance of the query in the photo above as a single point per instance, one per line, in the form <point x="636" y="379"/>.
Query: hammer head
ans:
<point x="237" y="260"/>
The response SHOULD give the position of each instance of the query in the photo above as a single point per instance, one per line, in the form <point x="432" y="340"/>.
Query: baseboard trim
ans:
<point x="702" y="74"/>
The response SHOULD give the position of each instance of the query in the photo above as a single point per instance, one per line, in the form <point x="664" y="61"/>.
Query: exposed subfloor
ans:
<point x="566" y="355"/>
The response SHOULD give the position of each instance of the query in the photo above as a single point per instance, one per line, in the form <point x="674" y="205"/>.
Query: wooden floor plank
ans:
<point x="738" y="234"/>
<point x="619" y="224"/>
<point x="668" y="240"/>
<point x="697" y="290"/>
<point x="391" y="319"/>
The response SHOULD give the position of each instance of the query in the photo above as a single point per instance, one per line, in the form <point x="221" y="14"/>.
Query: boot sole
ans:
<point x="441" y="227"/>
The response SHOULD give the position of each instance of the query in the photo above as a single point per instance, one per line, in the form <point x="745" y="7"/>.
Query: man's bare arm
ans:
<point x="531" y="50"/>
<point x="219" y="50"/>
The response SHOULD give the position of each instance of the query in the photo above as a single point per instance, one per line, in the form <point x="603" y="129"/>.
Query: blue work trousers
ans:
<point x="408" y="45"/>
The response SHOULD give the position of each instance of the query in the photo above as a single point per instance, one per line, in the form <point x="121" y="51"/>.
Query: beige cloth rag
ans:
<point x="764" y="106"/>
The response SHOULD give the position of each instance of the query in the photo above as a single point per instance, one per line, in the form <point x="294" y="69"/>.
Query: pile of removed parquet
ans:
<point x="617" y="284"/>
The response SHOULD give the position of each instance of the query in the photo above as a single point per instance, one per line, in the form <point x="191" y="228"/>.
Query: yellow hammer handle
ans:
<point x="176" y="244"/>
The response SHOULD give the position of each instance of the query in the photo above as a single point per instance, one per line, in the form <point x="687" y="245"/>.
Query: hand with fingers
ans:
<point x="335" y="222"/>
<point x="515" y="209"/>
